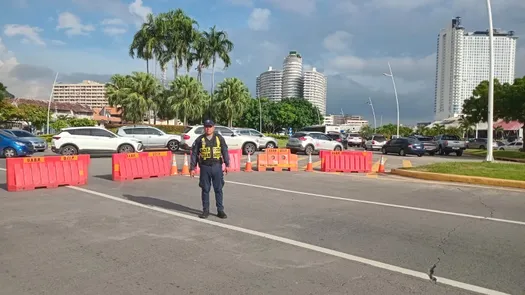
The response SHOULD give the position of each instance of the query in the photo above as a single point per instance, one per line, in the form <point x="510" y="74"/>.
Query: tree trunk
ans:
<point x="147" y="66"/>
<point x="175" y="69"/>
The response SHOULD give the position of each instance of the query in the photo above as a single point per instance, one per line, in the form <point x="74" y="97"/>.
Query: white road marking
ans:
<point x="377" y="264"/>
<point x="379" y="203"/>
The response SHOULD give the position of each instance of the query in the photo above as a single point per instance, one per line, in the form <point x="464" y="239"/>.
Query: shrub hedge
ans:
<point x="46" y="137"/>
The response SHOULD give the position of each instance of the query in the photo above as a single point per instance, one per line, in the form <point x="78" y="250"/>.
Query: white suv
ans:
<point x="151" y="137"/>
<point x="92" y="140"/>
<point x="233" y="139"/>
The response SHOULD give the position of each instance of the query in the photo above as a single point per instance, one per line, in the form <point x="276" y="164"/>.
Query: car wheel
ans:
<point x="270" y="145"/>
<point x="173" y="145"/>
<point x="309" y="150"/>
<point x="337" y="148"/>
<point x="420" y="155"/>
<point x="402" y="152"/>
<point x="459" y="154"/>
<point x="383" y="150"/>
<point x="9" y="152"/>
<point x="482" y="147"/>
<point x="126" y="148"/>
<point x="249" y="148"/>
<point x="432" y="154"/>
<point x="68" y="150"/>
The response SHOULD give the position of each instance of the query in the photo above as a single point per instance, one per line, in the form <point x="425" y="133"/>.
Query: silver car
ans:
<point x="312" y="142"/>
<point x="151" y="137"/>
<point x="39" y="144"/>
<point x="263" y="141"/>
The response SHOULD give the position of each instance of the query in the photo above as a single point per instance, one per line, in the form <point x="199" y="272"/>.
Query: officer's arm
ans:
<point x="224" y="152"/>
<point x="194" y="154"/>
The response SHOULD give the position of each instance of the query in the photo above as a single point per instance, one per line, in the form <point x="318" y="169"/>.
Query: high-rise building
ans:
<point x="314" y="89"/>
<point x="88" y="93"/>
<point x="293" y="75"/>
<point x="270" y="85"/>
<point x="463" y="62"/>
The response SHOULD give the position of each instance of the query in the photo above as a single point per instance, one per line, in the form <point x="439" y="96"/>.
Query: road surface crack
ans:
<point x="491" y="209"/>
<point x="432" y="270"/>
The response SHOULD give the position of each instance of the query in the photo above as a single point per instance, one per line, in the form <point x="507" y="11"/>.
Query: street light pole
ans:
<point x="260" y="116"/>
<point x="391" y="75"/>
<point x="490" y="117"/>
<point x="373" y="113"/>
<point x="49" y="102"/>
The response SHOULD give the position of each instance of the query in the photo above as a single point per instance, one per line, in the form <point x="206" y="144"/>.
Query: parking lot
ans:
<point x="286" y="233"/>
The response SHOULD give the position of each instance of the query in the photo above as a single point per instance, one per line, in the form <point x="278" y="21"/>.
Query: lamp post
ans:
<point x="49" y="102"/>
<point x="260" y="116"/>
<point x="490" y="117"/>
<point x="391" y="75"/>
<point x="373" y="113"/>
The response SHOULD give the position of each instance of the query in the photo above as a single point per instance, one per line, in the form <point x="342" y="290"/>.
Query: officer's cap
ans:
<point x="208" y="122"/>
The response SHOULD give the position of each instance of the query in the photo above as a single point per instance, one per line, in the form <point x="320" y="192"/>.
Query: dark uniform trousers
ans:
<point x="210" y="155"/>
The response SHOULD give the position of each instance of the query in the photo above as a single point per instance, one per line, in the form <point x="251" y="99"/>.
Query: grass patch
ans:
<point x="504" y="154"/>
<point x="509" y="171"/>
<point x="282" y="142"/>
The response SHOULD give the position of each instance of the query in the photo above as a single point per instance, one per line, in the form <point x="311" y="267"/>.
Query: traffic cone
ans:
<point x="309" y="166"/>
<point x="185" y="168"/>
<point x="174" y="169"/>
<point x="381" y="168"/>
<point x="248" y="164"/>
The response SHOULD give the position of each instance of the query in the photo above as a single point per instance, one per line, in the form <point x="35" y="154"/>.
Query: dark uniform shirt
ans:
<point x="209" y="152"/>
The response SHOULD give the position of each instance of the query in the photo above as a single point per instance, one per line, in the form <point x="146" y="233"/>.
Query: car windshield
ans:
<point x="7" y="134"/>
<point x="21" y="133"/>
<point x="379" y="138"/>
<point x="424" y="138"/>
<point x="299" y="134"/>
<point x="354" y="135"/>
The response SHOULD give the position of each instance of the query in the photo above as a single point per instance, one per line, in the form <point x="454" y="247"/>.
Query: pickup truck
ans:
<point x="450" y="144"/>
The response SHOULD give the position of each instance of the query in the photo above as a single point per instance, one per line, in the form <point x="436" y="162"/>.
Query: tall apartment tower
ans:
<point x="88" y="92"/>
<point x="270" y="85"/>
<point x="314" y="89"/>
<point x="463" y="62"/>
<point x="292" y="75"/>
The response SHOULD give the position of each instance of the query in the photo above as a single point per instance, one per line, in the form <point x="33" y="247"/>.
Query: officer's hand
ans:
<point x="225" y="170"/>
<point x="192" y="173"/>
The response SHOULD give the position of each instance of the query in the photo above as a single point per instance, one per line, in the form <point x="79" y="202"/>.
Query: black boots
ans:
<point x="221" y="215"/>
<point x="206" y="213"/>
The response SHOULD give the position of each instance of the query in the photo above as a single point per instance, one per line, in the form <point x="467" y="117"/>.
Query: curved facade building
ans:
<point x="314" y="89"/>
<point x="292" y="75"/>
<point x="270" y="85"/>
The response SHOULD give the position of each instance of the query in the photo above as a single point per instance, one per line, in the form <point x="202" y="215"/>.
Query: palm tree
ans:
<point x="187" y="97"/>
<point x="200" y="53"/>
<point x="219" y="47"/>
<point x="233" y="97"/>
<point x="117" y="90"/>
<point x="147" y="43"/>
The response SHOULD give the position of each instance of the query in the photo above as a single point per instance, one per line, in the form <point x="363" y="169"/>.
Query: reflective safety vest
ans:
<point x="210" y="153"/>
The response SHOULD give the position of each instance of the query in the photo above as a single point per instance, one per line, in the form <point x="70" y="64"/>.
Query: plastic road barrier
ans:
<point x="143" y="165"/>
<point x="235" y="162"/>
<point x="277" y="160"/>
<point x="346" y="161"/>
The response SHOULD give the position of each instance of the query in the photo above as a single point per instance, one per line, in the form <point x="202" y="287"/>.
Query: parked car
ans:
<point x="151" y="137"/>
<point x="354" y="139"/>
<point x="375" y="142"/>
<point x="39" y="143"/>
<point x="450" y="144"/>
<point x="92" y="140"/>
<point x="481" y="143"/>
<point x="431" y="147"/>
<point x="513" y="146"/>
<point x="339" y="138"/>
<point x="233" y="139"/>
<point x="11" y="146"/>
<point x="311" y="142"/>
<point x="263" y="141"/>
<point x="404" y="146"/>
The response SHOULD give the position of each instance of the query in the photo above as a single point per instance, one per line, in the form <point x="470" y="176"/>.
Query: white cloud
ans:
<point x="259" y="19"/>
<point x="30" y="34"/>
<point x="58" y="42"/>
<point x="113" y="21"/>
<point x="139" y="11"/>
<point x="73" y="25"/>
<point x="337" y="41"/>
<point x="113" y="31"/>
<point x="114" y="26"/>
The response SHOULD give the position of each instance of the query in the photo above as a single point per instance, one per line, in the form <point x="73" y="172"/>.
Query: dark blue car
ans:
<point x="11" y="146"/>
<point x="404" y="146"/>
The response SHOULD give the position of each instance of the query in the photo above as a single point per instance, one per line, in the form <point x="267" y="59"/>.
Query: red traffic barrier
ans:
<point x="347" y="161"/>
<point x="235" y="162"/>
<point x="144" y="165"/>
<point x="46" y="172"/>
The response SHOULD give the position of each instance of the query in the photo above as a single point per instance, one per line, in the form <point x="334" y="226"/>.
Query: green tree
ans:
<point x="200" y="53"/>
<point x="32" y="115"/>
<point x="188" y="98"/>
<point x="146" y="42"/>
<point x="7" y="111"/>
<point x="219" y="47"/>
<point x="58" y="124"/>
<point x="232" y="97"/>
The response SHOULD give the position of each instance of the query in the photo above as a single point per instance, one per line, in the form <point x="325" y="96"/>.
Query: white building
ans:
<point x="270" y="85"/>
<point x="292" y="75"/>
<point x="88" y="93"/>
<point x="314" y="89"/>
<point x="463" y="62"/>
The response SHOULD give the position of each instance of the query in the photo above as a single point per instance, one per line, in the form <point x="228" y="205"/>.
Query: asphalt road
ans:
<point x="287" y="233"/>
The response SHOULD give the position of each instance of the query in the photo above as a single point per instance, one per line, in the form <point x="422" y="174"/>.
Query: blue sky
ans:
<point x="350" y="41"/>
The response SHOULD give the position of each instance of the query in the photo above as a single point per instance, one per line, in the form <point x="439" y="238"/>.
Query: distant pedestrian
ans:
<point x="210" y="151"/>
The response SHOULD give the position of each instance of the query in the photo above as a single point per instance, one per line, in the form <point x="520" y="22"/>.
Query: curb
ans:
<point x="460" y="178"/>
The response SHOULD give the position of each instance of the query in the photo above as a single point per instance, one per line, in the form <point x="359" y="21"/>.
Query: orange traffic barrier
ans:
<point x="46" y="172"/>
<point x="185" y="167"/>
<point x="381" y="168"/>
<point x="277" y="160"/>
<point x="309" y="166"/>
<point x="347" y="161"/>
<point x="130" y="166"/>
<point x="235" y="162"/>
<point x="248" y="164"/>
<point x="174" y="169"/>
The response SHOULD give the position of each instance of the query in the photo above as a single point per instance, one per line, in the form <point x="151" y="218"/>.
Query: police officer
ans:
<point x="210" y="150"/>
